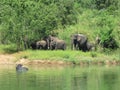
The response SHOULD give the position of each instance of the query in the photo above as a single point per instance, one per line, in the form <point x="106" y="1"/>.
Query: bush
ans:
<point x="106" y="26"/>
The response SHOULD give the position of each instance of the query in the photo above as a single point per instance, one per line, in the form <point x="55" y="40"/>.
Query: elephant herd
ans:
<point x="78" y="42"/>
<point x="49" y="42"/>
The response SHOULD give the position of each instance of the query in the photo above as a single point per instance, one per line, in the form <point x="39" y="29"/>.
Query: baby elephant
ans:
<point x="21" y="68"/>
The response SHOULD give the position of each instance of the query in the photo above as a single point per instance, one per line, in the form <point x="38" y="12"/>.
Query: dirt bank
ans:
<point x="11" y="59"/>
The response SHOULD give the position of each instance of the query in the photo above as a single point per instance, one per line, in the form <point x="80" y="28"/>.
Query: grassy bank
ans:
<point x="67" y="55"/>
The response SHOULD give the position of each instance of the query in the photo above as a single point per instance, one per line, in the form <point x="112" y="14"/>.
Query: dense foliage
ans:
<point x="34" y="19"/>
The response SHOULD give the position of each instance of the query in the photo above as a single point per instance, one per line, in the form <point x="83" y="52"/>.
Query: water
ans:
<point x="60" y="78"/>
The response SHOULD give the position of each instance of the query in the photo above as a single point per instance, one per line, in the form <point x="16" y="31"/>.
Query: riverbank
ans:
<point x="58" y="58"/>
<point x="9" y="55"/>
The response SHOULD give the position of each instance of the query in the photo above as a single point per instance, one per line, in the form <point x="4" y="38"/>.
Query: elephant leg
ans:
<point x="79" y="48"/>
<point x="25" y="45"/>
<point x="64" y="47"/>
<point x="56" y="47"/>
<point x="75" y="44"/>
<point x="85" y="48"/>
<point x="72" y="46"/>
<point x="38" y="47"/>
<point x="52" y="47"/>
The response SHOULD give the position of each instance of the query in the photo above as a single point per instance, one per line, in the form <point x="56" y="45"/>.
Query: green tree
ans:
<point x="33" y="19"/>
<point x="104" y="4"/>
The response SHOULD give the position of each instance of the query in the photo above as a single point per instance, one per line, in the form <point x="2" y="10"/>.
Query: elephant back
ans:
<point x="43" y="42"/>
<point x="52" y="38"/>
<point x="60" y="41"/>
<point x="74" y="36"/>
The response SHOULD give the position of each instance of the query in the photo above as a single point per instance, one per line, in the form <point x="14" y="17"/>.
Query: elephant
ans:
<point x="58" y="44"/>
<point x="49" y="39"/>
<point x="89" y="46"/>
<point x="33" y="45"/>
<point x="79" y="41"/>
<point x="20" y="68"/>
<point x="42" y="44"/>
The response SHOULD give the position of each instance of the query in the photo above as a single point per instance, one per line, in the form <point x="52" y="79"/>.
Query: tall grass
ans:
<point x="10" y="48"/>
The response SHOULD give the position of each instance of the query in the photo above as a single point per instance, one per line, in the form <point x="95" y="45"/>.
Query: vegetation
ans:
<point x="34" y="19"/>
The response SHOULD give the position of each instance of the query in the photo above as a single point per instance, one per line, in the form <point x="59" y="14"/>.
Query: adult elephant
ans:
<point x="58" y="44"/>
<point x="42" y="44"/>
<point x="49" y="39"/>
<point x="79" y="41"/>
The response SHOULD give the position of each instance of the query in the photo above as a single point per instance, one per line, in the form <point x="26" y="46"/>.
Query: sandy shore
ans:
<point x="7" y="59"/>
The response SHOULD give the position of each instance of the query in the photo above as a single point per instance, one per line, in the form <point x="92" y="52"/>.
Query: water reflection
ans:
<point x="63" y="78"/>
<point x="110" y="80"/>
<point x="80" y="82"/>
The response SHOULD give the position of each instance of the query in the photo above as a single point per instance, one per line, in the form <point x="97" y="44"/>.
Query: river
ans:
<point x="60" y="78"/>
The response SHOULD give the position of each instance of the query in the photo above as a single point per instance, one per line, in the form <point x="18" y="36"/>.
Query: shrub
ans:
<point x="106" y="26"/>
